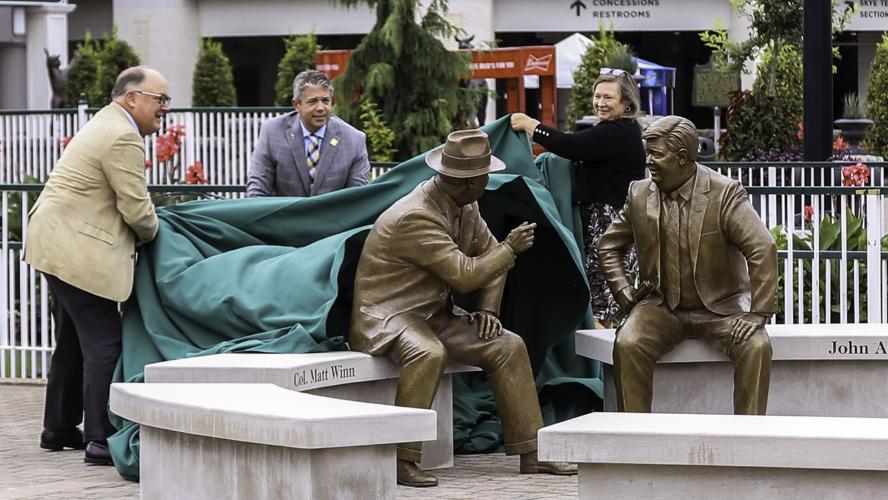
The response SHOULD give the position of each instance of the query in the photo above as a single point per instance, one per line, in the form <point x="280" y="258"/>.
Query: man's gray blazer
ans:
<point x="278" y="165"/>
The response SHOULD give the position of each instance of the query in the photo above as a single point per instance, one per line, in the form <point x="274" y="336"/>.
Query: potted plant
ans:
<point x="853" y="125"/>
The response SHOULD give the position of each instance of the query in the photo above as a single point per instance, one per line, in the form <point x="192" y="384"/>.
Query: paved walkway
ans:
<point x="26" y="471"/>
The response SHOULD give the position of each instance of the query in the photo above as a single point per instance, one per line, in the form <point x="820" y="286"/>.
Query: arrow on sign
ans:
<point x="578" y="5"/>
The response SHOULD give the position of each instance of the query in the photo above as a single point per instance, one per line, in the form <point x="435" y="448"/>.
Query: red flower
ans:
<point x="65" y="140"/>
<point x="167" y="145"/>
<point x="809" y="213"/>
<point x="195" y="174"/>
<point x="801" y="133"/>
<point x="855" y="175"/>
<point x="148" y="164"/>
<point x="839" y="145"/>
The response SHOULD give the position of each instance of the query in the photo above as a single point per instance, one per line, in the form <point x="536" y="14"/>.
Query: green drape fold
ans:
<point x="276" y="275"/>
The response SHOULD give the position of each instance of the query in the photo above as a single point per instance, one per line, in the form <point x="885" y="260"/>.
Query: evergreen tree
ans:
<point x="114" y="56"/>
<point x="299" y="55"/>
<point x="877" y="102"/>
<point x="595" y="58"/>
<point x="407" y="71"/>
<point x="82" y="76"/>
<point x="213" y="81"/>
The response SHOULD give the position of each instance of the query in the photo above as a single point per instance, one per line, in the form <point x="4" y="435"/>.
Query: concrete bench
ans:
<point x="817" y="370"/>
<point x="261" y="441"/>
<point x="650" y="456"/>
<point x="342" y="374"/>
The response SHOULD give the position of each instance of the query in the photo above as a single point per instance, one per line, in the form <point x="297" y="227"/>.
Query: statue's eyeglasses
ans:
<point x="612" y="71"/>
<point x="162" y="99"/>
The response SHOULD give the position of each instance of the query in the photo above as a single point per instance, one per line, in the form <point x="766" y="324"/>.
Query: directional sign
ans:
<point x="578" y="5"/>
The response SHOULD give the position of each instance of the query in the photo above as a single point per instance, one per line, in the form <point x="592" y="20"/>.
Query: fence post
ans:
<point x="81" y="111"/>
<point x="873" y="258"/>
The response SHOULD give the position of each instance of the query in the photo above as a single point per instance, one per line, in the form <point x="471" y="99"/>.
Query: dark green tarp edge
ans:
<point x="276" y="275"/>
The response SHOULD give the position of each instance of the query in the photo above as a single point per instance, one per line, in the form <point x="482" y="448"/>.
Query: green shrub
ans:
<point x="595" y="58"/>
<point x="299" y="55"/>
<point x="213" y="81"/>
<point x="877" y="102"/>
<point x="757" y="129"/>
<point x="82" y="76"/>
<point x="114" y="56"/>
<point x="380" y="138"/>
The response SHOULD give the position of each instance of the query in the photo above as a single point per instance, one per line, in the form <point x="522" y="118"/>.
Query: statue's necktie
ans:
<point x="313" y="156"/>
<point x="673" y="269"/>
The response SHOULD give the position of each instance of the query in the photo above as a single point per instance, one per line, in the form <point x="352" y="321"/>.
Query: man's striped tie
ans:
<point x="314" y="155"/>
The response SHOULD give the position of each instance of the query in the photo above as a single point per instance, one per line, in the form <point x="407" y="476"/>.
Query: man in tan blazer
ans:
<point x="711" y="260"/>
<point x="428" y="243"/>
<point x="82" y="236"/>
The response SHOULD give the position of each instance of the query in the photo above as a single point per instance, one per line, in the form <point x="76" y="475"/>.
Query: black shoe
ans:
<point x="56" y="440"/>
<point x="97" y="453"/>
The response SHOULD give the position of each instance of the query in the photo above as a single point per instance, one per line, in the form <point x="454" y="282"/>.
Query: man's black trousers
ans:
<point x="87" y="331"/>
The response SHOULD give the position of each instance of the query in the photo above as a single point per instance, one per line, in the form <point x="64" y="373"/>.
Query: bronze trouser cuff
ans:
<point x="410" y="454"/>
<point x="521" y="448"/>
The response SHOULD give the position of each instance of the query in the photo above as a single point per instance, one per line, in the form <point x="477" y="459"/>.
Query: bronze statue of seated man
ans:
<point x="428" y="243"/>
<point x="712" y="264"/>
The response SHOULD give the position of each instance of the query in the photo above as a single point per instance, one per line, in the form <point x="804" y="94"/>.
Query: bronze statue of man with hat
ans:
<point x="428" y="243"/>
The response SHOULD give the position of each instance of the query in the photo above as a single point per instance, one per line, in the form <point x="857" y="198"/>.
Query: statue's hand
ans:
<point x="743" y="325"/>
<point x="489" y="325"/>
<point x="523" y="123"/>
<point x="626" y="298"/>
<point x="521" y="238"/>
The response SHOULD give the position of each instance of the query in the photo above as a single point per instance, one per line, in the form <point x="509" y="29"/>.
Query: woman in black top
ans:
<point x="608" y="157"/>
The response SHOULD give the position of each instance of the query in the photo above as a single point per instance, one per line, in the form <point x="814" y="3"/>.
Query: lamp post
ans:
<point x="818" y="89"/>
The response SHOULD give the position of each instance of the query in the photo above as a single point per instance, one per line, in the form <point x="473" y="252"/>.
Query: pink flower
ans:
<point x="809" y="213"/>
<point x="148" y="164"/>
<point x="855" y="175"/>
<point x="65" y="140"/>
<point x="195" y="174"/>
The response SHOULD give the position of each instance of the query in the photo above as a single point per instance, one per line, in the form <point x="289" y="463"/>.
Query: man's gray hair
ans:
<point x="310" y="78"/>
<point x="126" y="80"/>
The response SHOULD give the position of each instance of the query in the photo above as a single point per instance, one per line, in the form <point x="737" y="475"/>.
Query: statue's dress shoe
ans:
<point x="97" y="453"/>
<point x="56" y="440"/>
<point x="531" y="464"/>
<point x="411" y="475"/>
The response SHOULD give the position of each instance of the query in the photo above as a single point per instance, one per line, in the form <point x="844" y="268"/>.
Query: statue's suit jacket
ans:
<point x="93" y="208"/>
<point x="418" y="250"/>
<point x="734" y="257"/>
<point x="278" y="165"/>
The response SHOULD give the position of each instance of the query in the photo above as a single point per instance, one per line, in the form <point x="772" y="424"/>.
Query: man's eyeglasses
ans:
<point x="612" y="71"/>
<point x="163" y="99"/>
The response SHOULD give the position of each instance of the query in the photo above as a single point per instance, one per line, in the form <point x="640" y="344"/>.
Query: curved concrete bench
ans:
<point x="818" y="370"/>
<point x="656" y="455"/>
<point x="342" y="374"/>
<point x="261" y="441"/>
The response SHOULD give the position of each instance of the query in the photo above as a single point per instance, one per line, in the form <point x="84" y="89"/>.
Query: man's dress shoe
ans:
<point x="56" y="440"/>
<point x="97" y="453"/>
<point x="411" y="475"/>
<point x="531" y="464"/>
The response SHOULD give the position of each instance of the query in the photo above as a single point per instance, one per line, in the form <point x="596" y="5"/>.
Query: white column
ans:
<point x="47" y="28"/>
<point x="165" y="34"/>
<point x="738" y="31"/>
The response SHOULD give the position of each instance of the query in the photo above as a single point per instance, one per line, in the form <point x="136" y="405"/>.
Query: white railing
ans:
<point x="222" y="139"/>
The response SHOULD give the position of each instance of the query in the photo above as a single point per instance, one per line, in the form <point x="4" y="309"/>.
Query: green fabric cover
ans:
<point x="276" y="275"/>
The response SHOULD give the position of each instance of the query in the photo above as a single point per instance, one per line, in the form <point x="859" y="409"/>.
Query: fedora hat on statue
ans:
<point x="465" y="154"/>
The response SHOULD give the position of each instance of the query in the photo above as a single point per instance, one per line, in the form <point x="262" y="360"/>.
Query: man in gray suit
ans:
<point x="309" y="151"/>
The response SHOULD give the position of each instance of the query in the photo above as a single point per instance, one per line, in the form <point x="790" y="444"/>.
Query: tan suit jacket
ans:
<point x="418" y="250"/>
<point x="733" y="255"/>
<point x="95" y="205"/>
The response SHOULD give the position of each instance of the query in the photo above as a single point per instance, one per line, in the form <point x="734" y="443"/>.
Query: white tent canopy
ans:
<point x="568" y="53"/>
